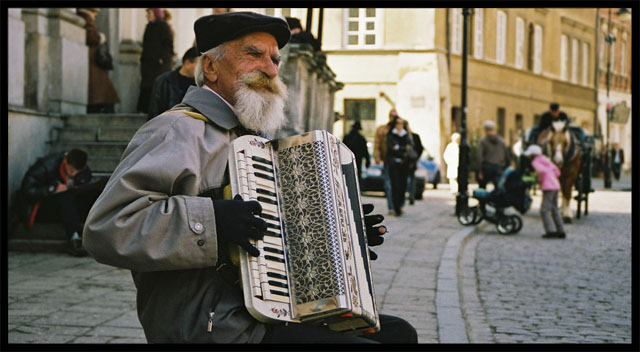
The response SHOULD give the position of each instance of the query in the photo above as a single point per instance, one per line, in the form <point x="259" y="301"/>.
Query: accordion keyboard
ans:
<point x="257" y="182"/>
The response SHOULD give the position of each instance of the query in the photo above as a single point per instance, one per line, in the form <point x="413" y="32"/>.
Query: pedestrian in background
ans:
<point x="548" y="174"/>
<point x="170" y="87"/>
<point x="380" y="155"/>
<point x="617" y="159"/>
<point x="157" y="54"/>
<point x="399" y="145"/>
<point x="452" y="158"/>
<point x="414" y="156"/>
<point x="493" y="156"/>
<point x="102" y="94"/>
<point x="358" y="146"/>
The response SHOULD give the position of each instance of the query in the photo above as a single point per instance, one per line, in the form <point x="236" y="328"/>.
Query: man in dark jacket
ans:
<point x="56" y="189"/>
<point x="358" y="146"/>
<point x="554" y="114"/>
<point x="170" y="87"/>
<point x="493" y="156"/>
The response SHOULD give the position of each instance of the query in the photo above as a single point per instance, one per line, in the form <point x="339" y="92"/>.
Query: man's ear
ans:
<point x="209" y="69"/>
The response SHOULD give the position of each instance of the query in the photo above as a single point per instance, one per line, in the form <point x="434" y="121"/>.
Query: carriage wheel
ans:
<point x="505" y="225"/>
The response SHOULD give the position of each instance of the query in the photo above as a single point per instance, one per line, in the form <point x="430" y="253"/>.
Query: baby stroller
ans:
<point x="511" y="191"/>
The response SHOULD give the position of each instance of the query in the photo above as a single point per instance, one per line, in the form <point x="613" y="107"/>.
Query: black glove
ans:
<point x="236" y="223"/>
<point x="374" y="233"/>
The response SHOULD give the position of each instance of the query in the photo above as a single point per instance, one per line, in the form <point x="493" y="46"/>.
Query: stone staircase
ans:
<point x="104" y="137"/>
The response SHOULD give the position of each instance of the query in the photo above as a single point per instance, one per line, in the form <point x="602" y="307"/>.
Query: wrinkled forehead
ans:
<point x="260" y="40"/>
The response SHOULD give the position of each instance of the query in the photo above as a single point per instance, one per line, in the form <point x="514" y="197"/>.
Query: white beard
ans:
<point x="261" y="111"/>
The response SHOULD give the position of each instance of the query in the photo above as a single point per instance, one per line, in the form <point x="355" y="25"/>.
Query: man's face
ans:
<point x="70" y="170"/>
<point x="254" y="52"/>
<point x="555" y="113"/>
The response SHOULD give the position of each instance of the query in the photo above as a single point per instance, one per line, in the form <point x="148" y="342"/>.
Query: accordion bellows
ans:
<point x="314" y="264"/>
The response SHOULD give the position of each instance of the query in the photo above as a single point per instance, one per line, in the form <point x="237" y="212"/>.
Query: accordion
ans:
<point x="314" y="262"/>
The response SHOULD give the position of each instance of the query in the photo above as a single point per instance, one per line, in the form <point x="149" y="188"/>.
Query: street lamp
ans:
<point x="463" y="162"/>
<point x="623" y="14"/>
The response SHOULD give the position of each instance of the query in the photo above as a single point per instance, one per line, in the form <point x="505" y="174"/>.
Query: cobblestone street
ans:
<point x="576" y="290"/>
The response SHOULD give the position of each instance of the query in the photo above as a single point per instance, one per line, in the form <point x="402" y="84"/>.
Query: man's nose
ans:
<point x="270" y="69"/>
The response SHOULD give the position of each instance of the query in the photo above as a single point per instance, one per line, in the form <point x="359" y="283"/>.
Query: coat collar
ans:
<point x="211" y="106"/>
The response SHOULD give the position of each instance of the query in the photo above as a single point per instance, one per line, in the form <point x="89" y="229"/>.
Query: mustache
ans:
<point x="257" y="80"/>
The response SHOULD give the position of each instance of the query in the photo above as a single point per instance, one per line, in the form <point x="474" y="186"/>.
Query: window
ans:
<point x="537" y="50"/>
<point x="278" y="12"/>
<point x="613" y="56"/>
<point x="623" y="58"/>
<point x="456" y="31"/>
<point x="519" y="42"/>
<point x="574" y="60"/>
<point x="564" y="57"/>
<point x="501" y="37"/>
<point x="362" y="27"/>
<point x="530" y="48"/>
<point x="360" y="109"/>
<point x="500" y="124"/>
<point x="456" y="118"/>
<point x="603" y="51"/>
<point x="585" y="64"/>
<point x="477" y="33"/>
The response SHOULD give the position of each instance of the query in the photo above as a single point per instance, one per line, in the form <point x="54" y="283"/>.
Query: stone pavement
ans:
<point x="455" y="284"/>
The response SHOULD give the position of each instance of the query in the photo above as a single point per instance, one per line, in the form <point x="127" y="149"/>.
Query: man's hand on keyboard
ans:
<point x="374" y="233"/>
<point x="236" y="223"/>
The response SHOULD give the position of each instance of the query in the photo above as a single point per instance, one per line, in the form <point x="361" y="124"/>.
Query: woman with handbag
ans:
<point x="399" y="147"/>
<point x="102" y="94"/>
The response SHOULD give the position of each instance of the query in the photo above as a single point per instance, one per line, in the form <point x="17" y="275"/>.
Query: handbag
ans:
<point x="103" y="57"/>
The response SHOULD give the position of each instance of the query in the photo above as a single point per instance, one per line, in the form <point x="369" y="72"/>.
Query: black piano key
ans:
<point x="272" y="234"/>
<point x="273" y="250"/>
<point x="267" y="200"/>
<point x="277" y="283"/>
<point x="265" y="192"/>
<point x="270" y="217"/>
<point x="274" y="259"/>
<point x="265" y="176"/>
<point x="263" y="168"/>
<point x="276" y="275"/>
<point x="261" y="160"/>
<point x="279" y="293"/>
<point x="273" y="226"/>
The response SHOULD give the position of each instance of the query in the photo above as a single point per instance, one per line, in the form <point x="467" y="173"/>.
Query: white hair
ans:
<point x="216" y="54"/>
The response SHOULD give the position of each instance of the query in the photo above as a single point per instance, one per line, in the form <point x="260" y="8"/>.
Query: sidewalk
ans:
<point x="55" y="298"/>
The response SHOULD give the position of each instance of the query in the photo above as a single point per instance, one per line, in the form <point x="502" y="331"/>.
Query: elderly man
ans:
<point x="162" y="214"/>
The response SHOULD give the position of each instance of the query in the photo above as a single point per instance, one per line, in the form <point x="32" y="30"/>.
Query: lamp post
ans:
<point x="462" y="198"/>
<point x="623" y="14"/>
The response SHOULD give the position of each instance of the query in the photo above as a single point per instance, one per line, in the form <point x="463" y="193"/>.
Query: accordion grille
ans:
<point x="314" y="264"/>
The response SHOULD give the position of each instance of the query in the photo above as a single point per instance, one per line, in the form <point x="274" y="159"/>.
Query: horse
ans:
<point x="565" y="151"/>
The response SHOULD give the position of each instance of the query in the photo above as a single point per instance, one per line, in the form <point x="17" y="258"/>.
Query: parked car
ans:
<point x="428" y="171"/>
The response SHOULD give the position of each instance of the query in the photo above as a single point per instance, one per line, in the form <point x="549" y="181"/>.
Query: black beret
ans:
<point x="554" y="106"/>
<point x="213" y="30"/>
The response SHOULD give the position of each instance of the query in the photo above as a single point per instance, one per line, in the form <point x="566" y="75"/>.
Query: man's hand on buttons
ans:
<point x="236" y="223"/>
<point x="374" y="233"/>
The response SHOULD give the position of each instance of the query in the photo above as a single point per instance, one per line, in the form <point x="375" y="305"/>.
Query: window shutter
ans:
<point x="478" y="25"/>
<point x="585" y="64"/>
<point x="519" y="42"/>
<point x="537" y="64"/>
<point x="574" y="60"/>
<point x="500" y="37"/>
<point x="564" y="57"/>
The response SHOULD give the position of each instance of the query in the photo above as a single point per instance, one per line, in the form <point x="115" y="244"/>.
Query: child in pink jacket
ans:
<point x="548" y="174"/>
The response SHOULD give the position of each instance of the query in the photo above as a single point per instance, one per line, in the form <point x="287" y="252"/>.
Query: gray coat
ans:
<point x="150" y="219"/>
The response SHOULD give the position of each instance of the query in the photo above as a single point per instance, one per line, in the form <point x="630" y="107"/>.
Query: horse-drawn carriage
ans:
<point x="571" y="149"/>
